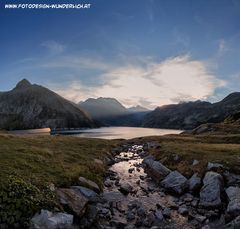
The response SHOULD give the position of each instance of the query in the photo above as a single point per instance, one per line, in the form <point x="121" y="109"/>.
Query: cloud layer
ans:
<point x="150" y="83"/>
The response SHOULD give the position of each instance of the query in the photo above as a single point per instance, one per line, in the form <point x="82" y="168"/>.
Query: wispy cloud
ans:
<point x="222" y="48"/>
<point x="53" y="47"/>
<point x="156" y="83"/>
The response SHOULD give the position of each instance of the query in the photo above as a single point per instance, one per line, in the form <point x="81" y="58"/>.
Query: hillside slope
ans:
<point x="192" y="114"/>
<point x="30" y="106"/>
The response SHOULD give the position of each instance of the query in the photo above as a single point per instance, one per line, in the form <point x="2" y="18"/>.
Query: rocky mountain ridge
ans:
<point x="30" y="106"/>
<point x="110" y="112"/>
<point x="189" y="115"/>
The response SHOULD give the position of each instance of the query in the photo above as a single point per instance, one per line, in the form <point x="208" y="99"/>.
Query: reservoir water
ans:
<point x="119" y="132"/>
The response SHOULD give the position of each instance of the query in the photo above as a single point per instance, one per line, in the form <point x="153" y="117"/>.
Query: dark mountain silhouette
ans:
<point x="32" y="106"/>
<point x="110" y="112"/>
<point x="189" y="115"/>
<point x="102" y="108"/>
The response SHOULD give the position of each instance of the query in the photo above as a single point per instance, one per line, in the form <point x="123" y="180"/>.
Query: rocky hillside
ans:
<point x="230" y="126"/>
<point x="30" y="106"/>
<point x="192" y="114"/>
<point x="110" y="112"/>
<point x="233" y="119"/>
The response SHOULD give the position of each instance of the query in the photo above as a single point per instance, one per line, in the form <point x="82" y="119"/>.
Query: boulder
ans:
<point x="233" y="194"/>
<point x="157" y="170"/>
<point x="89" y="184"/>
<point x="125" y="188"/>
<point x="194" y="183"/>
<point x="73" y="200"/>
<point x="147" y="161"/>
<point x="88" y="193"/>
<point x="49" y="220"/>
<point x="210" y="194"/>
<point x="175" y="182"/>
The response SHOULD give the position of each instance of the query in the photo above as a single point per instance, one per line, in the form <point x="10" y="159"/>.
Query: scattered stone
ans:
<point x="108" y="183"/>
<point x="144" y="187"/>
<point x="200" y="218"/>
<point x="210" y="194"/>
<point x="187" y="197"/>
<point x="113" y="196"/>
<point x="139" y="222"/>
<point x="131" y="170"/>
<point x="175" y="182"/>
<point x="176" y="158"/>
<point x="73" y="200"/>
<point x="142" y="177"/>
<point x="149" y="220"/>
<point x="89" y="184"/>
<point x="183" y="210"/>
<point x="195" y="162"/>
<point x="194" y="203"/>
<point x="206" y="227"/>
<point x="141" y="212"/>
<point x="125" y="188"/>
<point x="49" y="220"/>
<point x="233" y="194"/>
<point x="109" y="161"/>
<point x="134" y="204"/>
<point x="231" y="178"/>
<point x="214" y="166"/>
<point x="167" y="212"/>
<point x="152" y="145"/>
<point x="194" y="183"/>
<point x="118" y="223"/>
<point x="173" y="206"/>
<point x="130" y="216"/>
<point x="98" y="161"/>
<point x="120" y="207"/>
<point x="159" y="215"/>
<point x="235" y="224"/>
<point x="162" y="194"/>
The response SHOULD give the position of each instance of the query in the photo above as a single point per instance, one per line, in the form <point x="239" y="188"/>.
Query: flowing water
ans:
<point x="146" y="194"/>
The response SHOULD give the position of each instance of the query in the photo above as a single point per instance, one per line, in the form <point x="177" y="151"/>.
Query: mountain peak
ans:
<point x="24" y="83"/>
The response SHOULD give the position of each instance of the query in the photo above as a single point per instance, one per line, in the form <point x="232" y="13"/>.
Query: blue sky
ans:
<point x="148" y="52"/>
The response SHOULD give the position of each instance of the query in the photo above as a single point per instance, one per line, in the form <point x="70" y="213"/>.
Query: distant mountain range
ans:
<point x="192" y="114"/>
<point x="110" y="112"/>
<point x="30" y="106"/>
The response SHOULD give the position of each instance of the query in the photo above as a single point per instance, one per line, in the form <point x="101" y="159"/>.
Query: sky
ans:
<point x="141" y="52"/>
